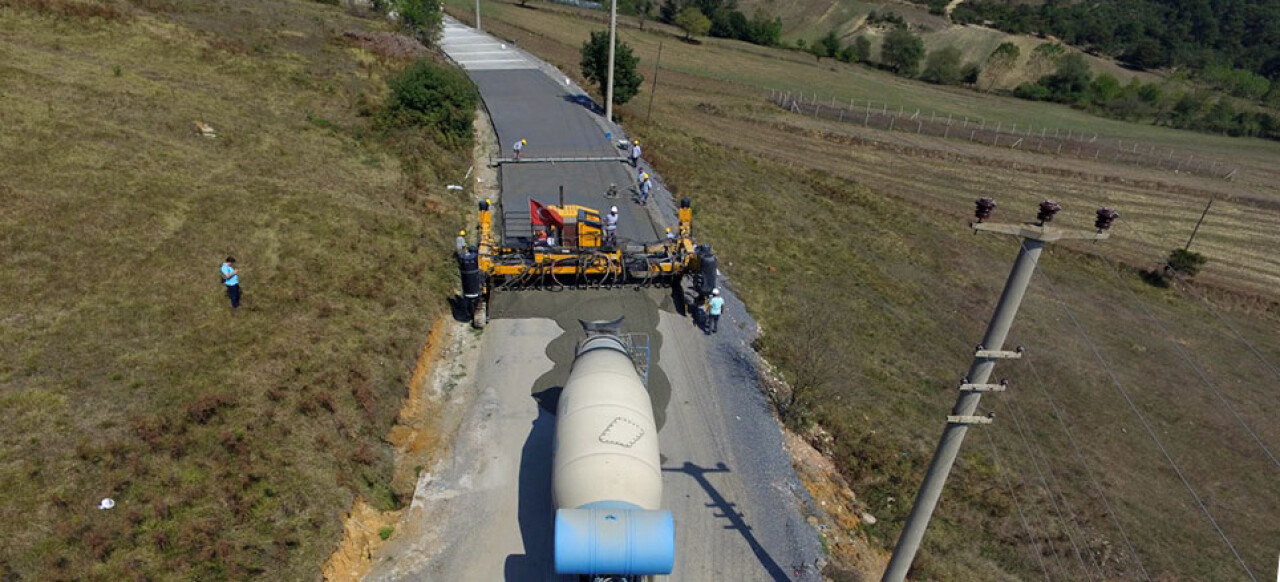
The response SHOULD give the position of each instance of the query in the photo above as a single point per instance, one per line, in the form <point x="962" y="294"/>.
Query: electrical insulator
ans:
<point x="1048" y="208"/>
<point x="1105" y="217"/>
<point x="984" y="207"/>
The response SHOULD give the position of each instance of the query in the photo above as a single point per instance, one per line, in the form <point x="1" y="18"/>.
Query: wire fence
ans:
<point x="1024" y="137"/>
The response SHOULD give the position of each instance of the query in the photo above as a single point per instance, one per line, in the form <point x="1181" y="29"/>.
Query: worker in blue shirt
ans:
<point x="231" y="279"/>
<point x="714" y="308"/>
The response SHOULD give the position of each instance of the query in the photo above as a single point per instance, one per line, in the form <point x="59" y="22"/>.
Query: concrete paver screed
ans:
<point x="487" y="513"/>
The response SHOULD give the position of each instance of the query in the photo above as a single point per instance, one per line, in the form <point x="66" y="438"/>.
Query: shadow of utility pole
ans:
<point x="728" y="511"/>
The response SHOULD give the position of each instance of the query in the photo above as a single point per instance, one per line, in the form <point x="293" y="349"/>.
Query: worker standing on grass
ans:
<point x="714" y="307"/>
<point x="231" y="280"/>
<point x="635" y="153"/>
<point x="461" y="242"/>
<point x="519" y="146"/>
<point x="611" y="227"/>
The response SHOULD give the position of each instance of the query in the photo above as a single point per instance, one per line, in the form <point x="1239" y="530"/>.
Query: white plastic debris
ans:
<point x="106" y="503"/>
<point x="453" y="187"/>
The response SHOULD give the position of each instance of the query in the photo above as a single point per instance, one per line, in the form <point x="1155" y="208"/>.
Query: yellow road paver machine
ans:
<point x="568" y="246"/>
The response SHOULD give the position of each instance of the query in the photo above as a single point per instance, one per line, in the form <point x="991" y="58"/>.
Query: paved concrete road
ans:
<point x="486" y="514"/>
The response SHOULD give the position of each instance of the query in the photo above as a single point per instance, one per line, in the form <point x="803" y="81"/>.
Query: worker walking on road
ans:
<point x="231" y="280"/>
<point x="519" y="146"/>
<point x="611" y="227"/>
<point x="646" y="186"/>
<point x="714" y="307"/>
<point x="635" y="153"/>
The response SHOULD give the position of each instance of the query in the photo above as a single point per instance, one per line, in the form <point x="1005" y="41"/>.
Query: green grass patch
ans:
<point x="231" y="442"/>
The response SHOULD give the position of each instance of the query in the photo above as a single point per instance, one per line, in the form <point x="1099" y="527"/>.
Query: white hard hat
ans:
<point x="613" y="209"/>
<point x="715" y="291"/>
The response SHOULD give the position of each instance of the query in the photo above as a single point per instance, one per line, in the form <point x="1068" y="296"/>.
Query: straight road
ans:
<point x="486" y="514"/>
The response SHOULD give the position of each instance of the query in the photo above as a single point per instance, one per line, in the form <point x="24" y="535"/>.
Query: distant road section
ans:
<point x="480" y="52"/>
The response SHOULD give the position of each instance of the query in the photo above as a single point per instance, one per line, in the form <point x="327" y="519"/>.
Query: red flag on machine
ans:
<point x="540" y="215"/>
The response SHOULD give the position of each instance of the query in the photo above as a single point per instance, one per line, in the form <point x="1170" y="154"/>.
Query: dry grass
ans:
<point x="857" y="238"/>
<point x="231" y="442"/>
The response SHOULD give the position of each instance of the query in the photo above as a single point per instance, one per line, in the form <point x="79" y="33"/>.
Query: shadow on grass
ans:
<point x="1154" y="278"/>
<point x="727" y="510"/>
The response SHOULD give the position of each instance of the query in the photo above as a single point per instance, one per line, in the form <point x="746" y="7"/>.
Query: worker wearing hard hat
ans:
<point x="671" y="236"/>
<point x="635" y="153"/>
<point x="646" y="186"/>
<point x="611" y="227"/>
<point x="714" y="308"/>
<point x="519" y="146"/>
<point x="461" y="242"/>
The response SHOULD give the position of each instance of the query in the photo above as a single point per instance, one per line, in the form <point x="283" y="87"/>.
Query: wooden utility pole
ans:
<point x="654" y="90"/>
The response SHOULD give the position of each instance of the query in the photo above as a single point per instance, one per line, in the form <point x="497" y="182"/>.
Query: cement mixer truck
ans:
<point x="606" y="471"/>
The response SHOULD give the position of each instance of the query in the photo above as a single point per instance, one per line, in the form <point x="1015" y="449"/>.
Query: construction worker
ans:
<point x="646" y="186"/>
<point x="635" y="153"/>
<point x="611" y="227"/>
<point x="714" y="307"/>
<point x="461" y="242"/>
<point x="519" y="146"/>
<point x="231" y="280"/>
<point x="671" y="236"/>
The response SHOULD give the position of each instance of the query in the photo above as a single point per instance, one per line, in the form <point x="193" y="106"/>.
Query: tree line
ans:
<point x="718" y="18"/>
<point x="1210" y="37"/>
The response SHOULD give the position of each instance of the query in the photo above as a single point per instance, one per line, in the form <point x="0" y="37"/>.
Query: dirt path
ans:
<point x="951" y="6"/>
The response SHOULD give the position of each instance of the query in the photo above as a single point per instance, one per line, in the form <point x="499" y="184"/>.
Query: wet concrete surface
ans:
<point x="638" y="308"/>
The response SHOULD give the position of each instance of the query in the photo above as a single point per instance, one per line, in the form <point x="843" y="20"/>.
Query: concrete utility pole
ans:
<point x="1034" y="238"/>
<point x="613" y="41"/>
<point x="478" y="29"/>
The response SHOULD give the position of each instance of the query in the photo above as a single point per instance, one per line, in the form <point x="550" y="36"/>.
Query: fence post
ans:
<point x="966" y="123"/>
<point x="946" y="133"/>
<point x="891" y="120"/>
<point x="972" y="133"/>
<point x="998" y="126"/>
<point x="1015" y="129"/>
<point x="1059" y="147"/>
<point x="919" y="126"/>
<point x="841" y="115"/>
<point x="866" y="121"/>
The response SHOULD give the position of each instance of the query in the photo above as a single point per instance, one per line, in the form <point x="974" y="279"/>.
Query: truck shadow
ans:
<point x="728" y="511"/>
<point x="534" y="511"/>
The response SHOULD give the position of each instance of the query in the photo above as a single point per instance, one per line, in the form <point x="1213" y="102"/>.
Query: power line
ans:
<point x="1115" y="381"/>
<point x="1066" y="527"/>
<point x="1045" y="524"/>
<point x="1057" y="413"/>
<point x="1204" y="378"/>
<point x="1229" y="325"/>
<point x="1021" y="516"/>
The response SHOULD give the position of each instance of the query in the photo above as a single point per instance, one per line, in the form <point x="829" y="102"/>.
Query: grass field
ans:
<point x="854" y="241"/>
<point x="231" y="442"/>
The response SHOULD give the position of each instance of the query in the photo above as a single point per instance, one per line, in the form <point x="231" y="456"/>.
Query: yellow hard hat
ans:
<point x="668" y="229"/>
<point x="462" y="233"/>
<point x="524" y="141"/>
<point x="637" y="142"/>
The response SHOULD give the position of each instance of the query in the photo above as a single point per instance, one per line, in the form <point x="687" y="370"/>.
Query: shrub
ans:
<point x="1187" y="262"/>
<point x="862" y="49"/>
<point x="430" y="95"/>
<point x="902" y="51"/>
<point x="422" y="18"/>
<point x="943" y="66"/>
<point x="385" y="532"/>
<point x="693" y="22"/>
